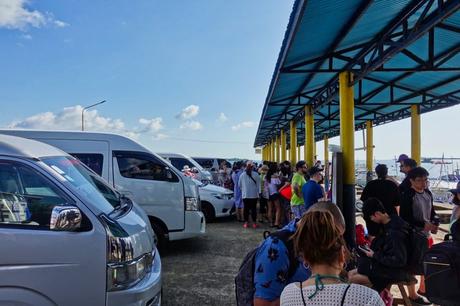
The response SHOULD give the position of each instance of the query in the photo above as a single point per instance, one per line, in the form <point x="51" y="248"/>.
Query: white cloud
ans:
<point x="189" y="112"/>
<point x="151" y="125"/>
<point x="69" y="118"/>
<point x="243" y="125"/>
<point x="15" y="15"/>
<point x="60" y="24"/>
<point x="222" y="118"/>
<point x="26" y="36"/>
<point x="191" y="125"/>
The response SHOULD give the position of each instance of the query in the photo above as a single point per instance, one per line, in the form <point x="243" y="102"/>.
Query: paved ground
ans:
<point x="200" y="271"/>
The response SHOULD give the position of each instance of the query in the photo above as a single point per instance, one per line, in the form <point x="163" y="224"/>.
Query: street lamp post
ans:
<point x="83" y="113"/>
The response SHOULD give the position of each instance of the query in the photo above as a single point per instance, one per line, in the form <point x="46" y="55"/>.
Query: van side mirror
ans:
<point x="65" y="218"/>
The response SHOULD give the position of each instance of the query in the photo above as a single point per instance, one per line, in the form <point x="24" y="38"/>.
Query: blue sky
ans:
<point x="182" y="76"/>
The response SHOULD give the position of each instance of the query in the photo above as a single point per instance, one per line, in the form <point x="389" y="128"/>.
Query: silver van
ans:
<point x="180" y="161"/>
<point x="67" y="237"/>
<point x="170" y="199"/>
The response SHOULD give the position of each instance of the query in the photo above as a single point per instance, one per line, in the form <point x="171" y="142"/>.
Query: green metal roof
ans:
<point x="400" y="52"/>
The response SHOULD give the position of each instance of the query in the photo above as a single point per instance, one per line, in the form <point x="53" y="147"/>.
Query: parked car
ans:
<point x="170" y="200"/>
<point x="67" y="237"/>
<point x="216" y="201"/>
<point x="181" y="162"/>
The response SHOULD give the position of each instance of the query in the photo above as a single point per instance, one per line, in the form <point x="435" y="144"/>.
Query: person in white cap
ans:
<point x="249" y="183"/>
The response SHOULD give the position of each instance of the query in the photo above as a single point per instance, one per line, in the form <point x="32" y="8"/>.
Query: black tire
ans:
<point x="160" y="240"/>
<point x="208" y="211"/>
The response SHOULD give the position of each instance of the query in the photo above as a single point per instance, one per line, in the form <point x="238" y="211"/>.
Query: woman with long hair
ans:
<point x="319" y="242"/>
<point x="272" y="183"/>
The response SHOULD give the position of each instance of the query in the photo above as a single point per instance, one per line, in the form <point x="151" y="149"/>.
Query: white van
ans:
<point x="180" y="161"/>
<point x="170" y="199"/>
<point x="66" y="237"/>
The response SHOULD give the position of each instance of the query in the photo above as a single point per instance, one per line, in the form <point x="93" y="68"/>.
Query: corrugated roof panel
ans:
<point x="401" y="60"/>
<point x="311" y="35"/>
<point x="423" y="80"/>
<point x="319" y="80"/>
<point x="377" y="16"/>
<point x="382" y="96"/>
<point x="315" y="34"/>
<point x="446" y="88"/>
<point x="287" y="85"/>
<point x="445" y="40"/>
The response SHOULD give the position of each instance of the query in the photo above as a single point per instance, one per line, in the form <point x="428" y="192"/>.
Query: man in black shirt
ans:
<point x="387" y="257"/>
<point x="385" y="191"/>
<point x="406" y="165"/>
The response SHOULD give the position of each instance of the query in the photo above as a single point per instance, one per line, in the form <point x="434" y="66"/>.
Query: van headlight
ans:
<point x="123" y="270"/>
<point x="192" y="204"/>
<point x="124" y="275"/>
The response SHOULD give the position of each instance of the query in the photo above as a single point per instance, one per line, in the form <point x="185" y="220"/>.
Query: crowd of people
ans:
<point x="313" y="265"/>
<point x="265" y="183"/>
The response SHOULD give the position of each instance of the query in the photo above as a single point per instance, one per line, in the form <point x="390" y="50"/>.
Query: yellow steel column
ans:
<point x="309" y="135"/>
<point x="268" y="151"/>
<point x="326" y="150"/>
<point x="272" y="150"/>
<point x="293" y="142"/>
<point x="314" y="149"/>
<point x="369" y="146"/>
<point x="298" y="152"/>
<point x="347" y="143"/>
<point x="347" y="127"/>
<point x="326" y="163"/>
<point x="415" y="134"/>
<point x="283" y="146"/>
<point x="278" y="156"/>
<point x="263" y="153"/>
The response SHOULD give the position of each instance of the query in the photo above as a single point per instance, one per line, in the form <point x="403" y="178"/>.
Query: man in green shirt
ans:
<point x="298" y="180"/>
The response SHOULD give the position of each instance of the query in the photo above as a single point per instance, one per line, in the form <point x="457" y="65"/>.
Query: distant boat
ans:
<point x="445" y="181"/>
<point x="440" y="162"/>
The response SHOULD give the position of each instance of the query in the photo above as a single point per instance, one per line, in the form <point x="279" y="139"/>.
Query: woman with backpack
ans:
<point x="319" y="242"/>
<point x="272" y="183"/>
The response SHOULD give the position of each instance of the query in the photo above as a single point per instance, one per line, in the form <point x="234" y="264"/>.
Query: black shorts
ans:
<point x="368" y="268"/>
<point x="274" y="197"/>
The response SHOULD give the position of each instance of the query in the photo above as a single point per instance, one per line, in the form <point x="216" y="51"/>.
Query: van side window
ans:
<point x="205" y="162"/>
<point x="143" y="167"/>
<point x="92" y="160"/>
<point x="26" y="197"/>
<point x="179" y="163"/>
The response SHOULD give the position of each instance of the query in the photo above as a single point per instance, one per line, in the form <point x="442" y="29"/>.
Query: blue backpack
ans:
<point x="244" y="280"/>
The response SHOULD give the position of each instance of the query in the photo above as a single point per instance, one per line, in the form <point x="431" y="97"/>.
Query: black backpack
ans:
<point x="442" y="272"/>
<point x="244" y="280"/>
<point x="417" y="247"/>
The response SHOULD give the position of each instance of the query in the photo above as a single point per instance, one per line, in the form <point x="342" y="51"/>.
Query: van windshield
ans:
<point x="85" y="181"/>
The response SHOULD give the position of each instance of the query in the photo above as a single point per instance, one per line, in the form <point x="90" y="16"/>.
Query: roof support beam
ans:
<point x="341" y="35"/>
<point x="422" y="26"/>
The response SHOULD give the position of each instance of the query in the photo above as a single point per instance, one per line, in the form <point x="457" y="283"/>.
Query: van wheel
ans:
<point x="160" y="240"/>
<point x="208" y="211"/>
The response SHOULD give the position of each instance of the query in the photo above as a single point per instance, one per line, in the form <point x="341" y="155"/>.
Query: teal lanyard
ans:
<point x="319" y="285"/>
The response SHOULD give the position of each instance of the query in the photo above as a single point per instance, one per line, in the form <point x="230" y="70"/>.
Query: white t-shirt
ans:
<point x="331" y="295"/>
